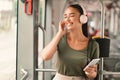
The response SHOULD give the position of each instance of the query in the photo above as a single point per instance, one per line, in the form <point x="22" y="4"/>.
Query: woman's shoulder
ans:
<point x="62" y="40"/>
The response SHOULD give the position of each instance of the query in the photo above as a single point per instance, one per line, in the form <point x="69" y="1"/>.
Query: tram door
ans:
<point x="27" y="40"/>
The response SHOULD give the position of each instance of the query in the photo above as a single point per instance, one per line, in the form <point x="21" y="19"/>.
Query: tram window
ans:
<point x="8" y="25"/>
<point x="41" y="12"/>
<point x="41" y="17"/>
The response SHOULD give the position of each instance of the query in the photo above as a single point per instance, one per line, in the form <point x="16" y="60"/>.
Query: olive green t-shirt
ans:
<point x="72" y="62"/>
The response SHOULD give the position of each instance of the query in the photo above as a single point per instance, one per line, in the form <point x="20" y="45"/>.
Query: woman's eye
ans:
<point x="72" y="16"/>
<point x="65" y="17"/>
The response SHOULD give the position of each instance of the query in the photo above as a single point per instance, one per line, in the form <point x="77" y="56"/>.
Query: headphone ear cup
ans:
<point x="83" y="19"/>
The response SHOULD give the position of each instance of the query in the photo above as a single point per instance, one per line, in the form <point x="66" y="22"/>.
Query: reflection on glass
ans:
<point x="42" y="12"/>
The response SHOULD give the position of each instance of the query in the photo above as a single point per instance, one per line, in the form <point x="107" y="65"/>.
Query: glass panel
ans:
<point x="8" y="17"/>
<point x="41" y="36"/>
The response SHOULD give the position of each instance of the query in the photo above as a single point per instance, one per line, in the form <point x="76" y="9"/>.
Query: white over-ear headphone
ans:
<point x="83" y="17"/>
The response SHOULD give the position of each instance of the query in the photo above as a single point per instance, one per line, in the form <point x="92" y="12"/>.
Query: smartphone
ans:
<point x="93" y="62"/>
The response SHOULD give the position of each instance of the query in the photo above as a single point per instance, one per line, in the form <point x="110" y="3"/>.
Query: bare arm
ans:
<point x="51" y="48"/>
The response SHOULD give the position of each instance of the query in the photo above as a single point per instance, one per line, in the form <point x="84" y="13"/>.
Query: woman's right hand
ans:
<point x="62" y="27"/>
<point x="51" y="48"/>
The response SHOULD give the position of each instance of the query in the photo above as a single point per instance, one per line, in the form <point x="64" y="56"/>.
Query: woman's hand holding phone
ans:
<point x="91" y="71"/>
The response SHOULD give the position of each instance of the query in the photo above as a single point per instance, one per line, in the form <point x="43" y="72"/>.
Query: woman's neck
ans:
<point x="76" y="35"/>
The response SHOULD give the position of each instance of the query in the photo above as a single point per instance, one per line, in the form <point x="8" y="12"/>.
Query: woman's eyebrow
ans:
<point x="72" y="13"/>
<point x="69" y="13"/>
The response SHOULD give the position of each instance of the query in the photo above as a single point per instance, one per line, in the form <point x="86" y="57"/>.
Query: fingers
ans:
<point x="91" y="71"/>
<point x="91" y="68"/>
<point x="62" y="24"/>
<point x="62" y="28"/>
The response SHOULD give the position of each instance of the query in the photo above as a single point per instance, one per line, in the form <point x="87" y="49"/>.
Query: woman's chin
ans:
<point x="69" y="28"/>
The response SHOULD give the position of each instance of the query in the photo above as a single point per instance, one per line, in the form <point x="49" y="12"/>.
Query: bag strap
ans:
<point x="89" y="50"/>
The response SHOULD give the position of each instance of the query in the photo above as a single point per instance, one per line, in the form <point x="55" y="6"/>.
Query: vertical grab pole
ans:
<point x="102" y="18"/>
<point x="102" y="36"/>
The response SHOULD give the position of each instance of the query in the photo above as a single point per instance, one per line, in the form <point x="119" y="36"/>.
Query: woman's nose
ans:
<point x="67" y="19"/>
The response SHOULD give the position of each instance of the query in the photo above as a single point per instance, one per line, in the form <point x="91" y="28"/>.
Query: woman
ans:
<point x="74" y="46"/>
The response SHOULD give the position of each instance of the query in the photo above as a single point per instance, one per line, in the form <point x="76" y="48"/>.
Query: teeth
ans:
<point x="69" y="24"/>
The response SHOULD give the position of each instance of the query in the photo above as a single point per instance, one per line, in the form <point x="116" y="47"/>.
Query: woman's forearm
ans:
<point x="51" y="48"/>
